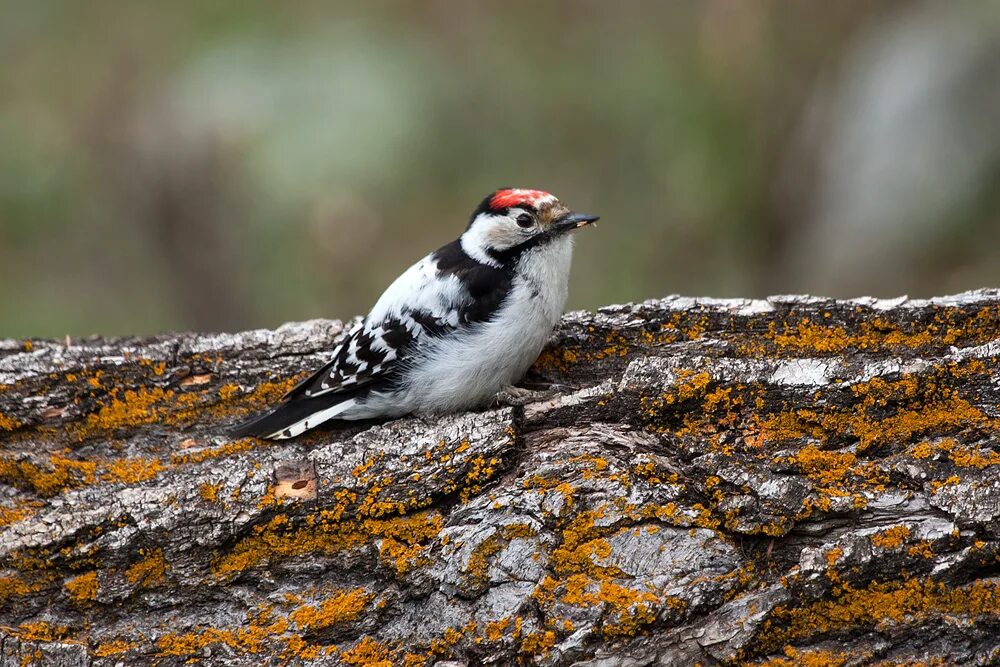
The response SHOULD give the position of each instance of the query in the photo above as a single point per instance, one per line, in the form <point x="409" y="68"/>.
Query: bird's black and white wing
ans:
<point x="439" y="295"/>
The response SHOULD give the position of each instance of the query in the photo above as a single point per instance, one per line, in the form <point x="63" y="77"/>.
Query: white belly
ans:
<point x="468" y="369"/>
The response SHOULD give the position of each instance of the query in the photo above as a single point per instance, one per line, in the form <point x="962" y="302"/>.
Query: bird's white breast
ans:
<point x="466" y="370"/>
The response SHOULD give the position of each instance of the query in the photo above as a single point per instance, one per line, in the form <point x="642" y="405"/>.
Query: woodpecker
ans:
<point x="454" y="331"/>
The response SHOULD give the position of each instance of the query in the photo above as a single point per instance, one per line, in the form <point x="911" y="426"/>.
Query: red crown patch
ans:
<point x="517" y="197"/>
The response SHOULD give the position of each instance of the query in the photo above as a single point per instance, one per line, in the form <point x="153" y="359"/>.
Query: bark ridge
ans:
<point x="786" y="481"/>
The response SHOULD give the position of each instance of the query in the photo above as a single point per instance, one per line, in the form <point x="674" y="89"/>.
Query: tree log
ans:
<point x="785" y="481"/>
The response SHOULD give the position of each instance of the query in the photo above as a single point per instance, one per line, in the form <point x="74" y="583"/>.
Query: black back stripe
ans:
<point x="487" y="286"/>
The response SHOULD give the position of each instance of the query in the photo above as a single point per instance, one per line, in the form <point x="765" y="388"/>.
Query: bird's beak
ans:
<point x="574" y="221"/>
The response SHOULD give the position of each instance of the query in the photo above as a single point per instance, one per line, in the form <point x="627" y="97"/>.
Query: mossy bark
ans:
<point x="789" y="481"/>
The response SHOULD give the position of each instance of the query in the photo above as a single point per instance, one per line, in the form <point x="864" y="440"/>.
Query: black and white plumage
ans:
<point x="459" y="326"/>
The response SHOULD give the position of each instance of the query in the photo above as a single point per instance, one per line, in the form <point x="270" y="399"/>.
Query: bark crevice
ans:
<point x="785" y="481"/>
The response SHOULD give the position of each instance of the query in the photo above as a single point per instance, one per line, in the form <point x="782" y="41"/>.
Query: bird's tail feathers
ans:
<point x="292" y="418"/>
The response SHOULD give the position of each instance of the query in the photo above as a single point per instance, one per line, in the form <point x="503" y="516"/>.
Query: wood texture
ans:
<point x="789" y="481"/>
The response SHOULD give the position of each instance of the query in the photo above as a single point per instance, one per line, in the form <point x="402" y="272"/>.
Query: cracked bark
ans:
<point x="788" y="481"/>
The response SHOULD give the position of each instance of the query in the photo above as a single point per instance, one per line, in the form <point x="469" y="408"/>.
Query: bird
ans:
<point x="455" y="331"/>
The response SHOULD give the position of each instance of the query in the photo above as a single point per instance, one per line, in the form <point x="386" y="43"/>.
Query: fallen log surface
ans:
<point x="785" y="481"/>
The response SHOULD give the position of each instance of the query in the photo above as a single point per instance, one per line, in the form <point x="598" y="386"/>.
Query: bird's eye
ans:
<point x="524" y="220"/>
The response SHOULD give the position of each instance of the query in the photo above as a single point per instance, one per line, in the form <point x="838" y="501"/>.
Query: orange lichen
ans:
<point x="962" y="457"/>
<point x="813" y="337"/>
<point x="400" y="540"/>
<point x="630" y="609"/>
<point x="15" y="587"/>
<point x="880" y="602"/>
<point x="369" y="653"/>
<point x="924" y="404"/>
<point x="228" y="391"/>
<point x="795" y="658"/>
<point x="983" y="327"/>
<point x="496" y="629"/>
<point x="689" y="385"/>
<point x="209" y="492"/>
<point x="921" y="549"/>
<point x="611" y="344"/>
<point x="938" y="484"/>
<point x="114" y="647"/>
<point x="42" y="631"/>
<point x="891" y="538"/>
<point x="824" y="467"/>
<point x="342" y="607"/>
<point x="62" y="473"/>
<point x="478" y="565"/>
<point x="538" y="643"/>
<point x="150" y="571"/>
<point x="596" y="465"/>
<point x="9" y="423"/>
<point x="581" y="545"/>
<point x="296" y="646"/>
<point x="252" y="639"/>
<point x="131" y="409"/>
<point x="132" y="471"/>
<point x="560" y="359"/>
<point x="480" y="472"/>
<point x="583" y="579"/>
<point x="82" y="588"/>
<point x="202" y="455"/>
<point x="950" y="327"/>
<point x="9" y="515"/>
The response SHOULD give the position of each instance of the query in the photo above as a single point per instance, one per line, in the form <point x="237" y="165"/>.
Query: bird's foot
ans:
<point x="518" y="396"/>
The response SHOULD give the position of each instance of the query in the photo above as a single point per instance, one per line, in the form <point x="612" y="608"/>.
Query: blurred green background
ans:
<point x="198" y="164"/>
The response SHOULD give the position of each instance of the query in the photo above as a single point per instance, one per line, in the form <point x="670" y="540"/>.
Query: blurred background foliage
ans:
<point x="199" y="164"/>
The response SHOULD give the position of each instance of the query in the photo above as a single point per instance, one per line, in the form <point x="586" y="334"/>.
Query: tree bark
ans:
<point x="789" y="481"/>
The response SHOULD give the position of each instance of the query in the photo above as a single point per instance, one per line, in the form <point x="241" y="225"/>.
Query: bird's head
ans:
<point x="510" y="221"/>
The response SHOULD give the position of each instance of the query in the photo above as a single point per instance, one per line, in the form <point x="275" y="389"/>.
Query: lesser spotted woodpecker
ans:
<point x="461" y="325"/>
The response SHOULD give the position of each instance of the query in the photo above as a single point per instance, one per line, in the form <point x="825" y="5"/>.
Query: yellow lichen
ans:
<point x="923" y="404"/>
<point x="630" y="609"/>
<point x="496" y="629"/>
<point x="252" y="639"/>
<point x="202" y="455"/>
<point x="82" y="588"/>
<point x="478" y="564"/>
<point x="921" y="549"/>
<point x="131" y="409"/>
<point x="150" y="571"/>
<point x="132" y="471"/>
<point x="538" y="643"/>
<point x="369" y="653"/>
<point x="114" y="647"/>
<point x="62" y="473"/>
<point x="401" y="540"/>
<point x="209" y="492"/>
<point x="15" y="587"/>
<point x="228" y="391"/>
<point x="962" y="457"/>
<point x="9" y="423"/>
<point x="880" y="602"/>
<point x="795" y="658"/>
<point x="891" y="538"/>
<point x="950" y="327"/>
<point x="42" y="631"/>
<point x="9" y="515"/>
<point x="342" y="607"/>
